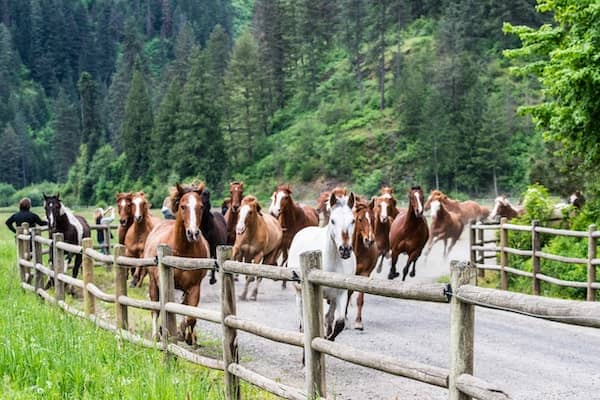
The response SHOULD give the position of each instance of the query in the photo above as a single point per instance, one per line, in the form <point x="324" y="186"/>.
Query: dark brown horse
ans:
<point x="365" y="250"/>
<point x="386" y="211"/>
<point x="185" y="239"/>
<point x="409" y="233"/>
<point x="213" y="228"/>
<point x="135" y="238"/>
<point x="236" y="189"/>
<point x="125" y="210"/>
<point x="258" y="239"/>
<point x="291" y="216"/>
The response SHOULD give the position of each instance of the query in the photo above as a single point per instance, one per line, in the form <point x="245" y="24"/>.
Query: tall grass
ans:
<point x="47" y="354"/>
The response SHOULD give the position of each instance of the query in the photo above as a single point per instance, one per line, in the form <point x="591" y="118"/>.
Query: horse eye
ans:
<point x="332" y="222"/>
<point x="353" y="221"/>
<point x="183" y="207"/>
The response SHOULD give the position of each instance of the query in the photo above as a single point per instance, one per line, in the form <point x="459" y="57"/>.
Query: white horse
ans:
<point x="335" y="243"/>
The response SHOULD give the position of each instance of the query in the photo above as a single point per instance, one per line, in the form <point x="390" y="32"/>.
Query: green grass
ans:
<point x="48" y="354"/>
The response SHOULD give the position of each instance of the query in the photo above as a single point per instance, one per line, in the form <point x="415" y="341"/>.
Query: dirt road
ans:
<point x="530" y="359"/>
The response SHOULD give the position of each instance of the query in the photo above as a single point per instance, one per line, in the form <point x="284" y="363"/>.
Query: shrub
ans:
<point x="7" y="192"/>
<point x="35" y="192"/>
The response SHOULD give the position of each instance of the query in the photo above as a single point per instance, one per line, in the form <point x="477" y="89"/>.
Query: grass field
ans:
<point x="47" y="354"/>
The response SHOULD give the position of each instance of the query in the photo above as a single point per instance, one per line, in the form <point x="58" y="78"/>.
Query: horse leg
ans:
<point x="380" y="257"/>
<point x="446" y="248"/>
<point x="336" y="303"/>
<point x="254" y="293"/>
<point x="186" y="328"/>
<point x="141" y="275"/>
<point x="244" y="294"/>
<point x="284" y="265"/>
<point x="393" y="274"/>
<point x="405" y="269"/>
<point x="413" y="271"/>
<point x="329" y="317"/>
<point x="348" y="303"/>
<point x="360" y="301"/>
<point x="135" y="278"/>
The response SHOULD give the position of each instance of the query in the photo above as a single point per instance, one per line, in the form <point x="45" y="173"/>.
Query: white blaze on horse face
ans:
<point x="193" y="223"/>
<point x="496" y="205"/>
<point x="51" y="219"/>
<point x="240" y="227"/>
<point x="572" y="198"/>
<point x="419" y="203"/>
<point x="138" y="207"/>
<point x="341" y="225"/>
<point x="435" y="206"/>
<point x="275" y="208"/>
<point x="384" y="211"/>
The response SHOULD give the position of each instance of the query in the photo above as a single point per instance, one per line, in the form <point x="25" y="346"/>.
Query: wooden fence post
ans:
<point x="27" y="245"/>
<point x="228" y="307"/>
<point x="20" y="253"/>
<point x="89" y="302"/>
<point x="58" y="262"/>
<point x="535" y="259"/>
<point x="472" y="242"/>
<point x="121" y="274"/>
<point x="312" y="321"/>
<point x="591" y="268"/>
<point x="166" y="291"/>
<point x="503" y="254"/>
<point x="38" y="276"/>
<point x="462" y="328"/>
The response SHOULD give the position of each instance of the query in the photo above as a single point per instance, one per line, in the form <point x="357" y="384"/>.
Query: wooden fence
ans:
<point x="462" y="294"/>
<point x="481" y="249"/>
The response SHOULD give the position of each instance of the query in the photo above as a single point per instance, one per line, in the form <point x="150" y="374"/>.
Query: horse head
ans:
<point x="54" y="209"/>
<point x="249" y="211"/>
<point x="364" y="217"/>
<point x="187" y="205"/>
<point x="384" y="205"/>
<point x="415" y="200"/>
<point x="280" y="199"/>
<point x="436" y="207"/>
<point x="501" y="204"/>
<point x="433" y="196"/>
<point x="577" y="199"/>
<point x="237" y="194"/>
<point x="125" y="208"/>
<point x="341" y="223"/>
<point x="140" y="206"/>
<point x="322" y="201"/>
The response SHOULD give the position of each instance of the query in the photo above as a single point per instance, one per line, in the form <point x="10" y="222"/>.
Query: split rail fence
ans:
<point x="482" y="249"/>
<point x="462" y="294"/>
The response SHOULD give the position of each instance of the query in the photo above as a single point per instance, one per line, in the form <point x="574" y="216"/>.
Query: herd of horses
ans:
<point x="353" y="233"/>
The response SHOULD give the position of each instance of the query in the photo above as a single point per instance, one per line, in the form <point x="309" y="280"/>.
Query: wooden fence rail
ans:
<point x="480" y="250"/>
<point x="458" y="378"/>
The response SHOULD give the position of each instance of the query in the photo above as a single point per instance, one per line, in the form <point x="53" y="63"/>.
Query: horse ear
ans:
<point x="179" y="188"/>
<point x="372" y="203"/>
<point x="351" y="200"/>
<point x="332" y="200"/>
<point x="45" y="196"/>
<point x="58" y="196"/>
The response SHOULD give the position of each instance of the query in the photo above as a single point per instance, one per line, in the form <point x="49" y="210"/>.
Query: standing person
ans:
<point x="166" y="208"/>
<point x="103" y="217"/>
<point x="24" y="215"/>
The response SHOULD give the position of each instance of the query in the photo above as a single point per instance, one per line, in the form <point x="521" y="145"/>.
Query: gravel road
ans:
<point x="530" y="359"/>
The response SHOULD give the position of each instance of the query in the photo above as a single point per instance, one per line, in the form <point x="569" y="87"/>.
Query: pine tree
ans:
<point x="10" y="171"/>
<point x="91" y="127"/>
<point x="354" y="25"/>
<point x="66" y="135"/>
<point x="136" y="131"/>
<point x="380" y="20"/>
<point x="165" y="131"/>
<point x="199" y="147"/>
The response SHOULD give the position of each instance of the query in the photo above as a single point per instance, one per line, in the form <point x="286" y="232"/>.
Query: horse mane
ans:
<point x="250" y="199"/>
<point x="284" y="187"/>
<point x="360" y="205"/>
<point x="387" y="190"/>
<point x="178" y="191"/>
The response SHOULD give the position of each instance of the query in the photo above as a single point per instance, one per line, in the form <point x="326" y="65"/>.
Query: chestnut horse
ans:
<point x="135" y="238"/>
<point x="236" y="189"/>
<point x="445" y="225"/>
<point x="409" y="233"/>
<point x="503" y="208"/>
<point x="323" y="204"/>
<point x="213" y="228"/>
<point x="335" y="243"/>
<point x="185" y="239"/>
<point x="468" y="210"/>
<point x="258" y="239"/>
<point x="291" y="216"/>
<point x="365" y="251"/>
<point x="385" y="210"/>
<point x="125" y="209"/>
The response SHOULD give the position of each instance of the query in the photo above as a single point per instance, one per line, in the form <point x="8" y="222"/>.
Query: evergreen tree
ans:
<point x="10" y="167"/>
<point x="199" y="147"/>
<point x="136" y="131"/>
<point x="354" y="25"/>
<point x="66" y="135"/>
<point x="380" y="20"/>
<point x="91" y="127"/>
<point x="218" y="54"/>
<point x="165" y="132"/>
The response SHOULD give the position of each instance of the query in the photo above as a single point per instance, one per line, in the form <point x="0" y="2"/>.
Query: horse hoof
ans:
<point x="359" y="326"/>
<point x="242" y="298"/>
<point x="212" y="280"/>
<point x="393" y="275"/>
<point x="132" y="284"/>
<point x="283" y="285"/>
<point x="412" y="274"/>
<point x="252" y="298"/>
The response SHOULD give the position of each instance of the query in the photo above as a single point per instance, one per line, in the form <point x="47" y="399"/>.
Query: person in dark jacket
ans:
<point x="24" y="215"/>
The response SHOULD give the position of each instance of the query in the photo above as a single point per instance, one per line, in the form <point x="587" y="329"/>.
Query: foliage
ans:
<point x="35" y="192"/>
<point x="7" y="192"/>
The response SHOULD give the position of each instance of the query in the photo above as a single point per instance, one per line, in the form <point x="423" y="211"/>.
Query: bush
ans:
<point x="35" y="192"/>
<point x="7" y="192"/>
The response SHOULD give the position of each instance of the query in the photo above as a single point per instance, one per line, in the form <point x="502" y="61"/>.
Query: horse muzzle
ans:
<point x="239" y="230"/>
<point x="368" y="243"/>
<point x="192" y="235"/>
<point x="345" y="252"/>
<point x="139" y="219"/>
<point x="123" y="222"/>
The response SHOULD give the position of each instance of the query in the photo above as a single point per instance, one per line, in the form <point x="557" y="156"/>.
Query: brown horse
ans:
<point x="445" y="225"/>
<point x="363" y="243"/>
<point x="409" y="233"/>
<point x="503" y="208"/>
<point x="386" y="211"/>
<point x="291" y="216"/>
<point x="125" y="209"/>
<point x="468" y="210"/>
<point x="135" y="238"/>
<point x="236" y="189"/>
<point x="184" y="237"/>
<point x="258" y="239"/>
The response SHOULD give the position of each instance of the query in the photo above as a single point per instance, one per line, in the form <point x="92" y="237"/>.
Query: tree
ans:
<point x="10" y="167"/>
<point x="354" y="25"/>
<point x="198" y="148"/>
<point x="564" y="57"/>
<point x="136" y="131"/>
<point x="66" y="135"/>
<point x="165" y="131"/>
<point x="91" y="128"/>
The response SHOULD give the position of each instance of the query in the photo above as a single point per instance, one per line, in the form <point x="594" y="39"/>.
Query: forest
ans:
<point x="100" y="96"/>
